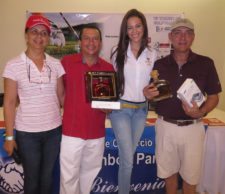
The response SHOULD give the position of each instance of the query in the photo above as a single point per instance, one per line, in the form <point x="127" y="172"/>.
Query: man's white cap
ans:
<point x="182" y="22"/>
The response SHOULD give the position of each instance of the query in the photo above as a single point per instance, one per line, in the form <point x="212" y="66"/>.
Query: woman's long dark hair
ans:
<point x="121" y="50"/>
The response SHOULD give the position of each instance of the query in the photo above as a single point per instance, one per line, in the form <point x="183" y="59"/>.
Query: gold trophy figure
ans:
<point x="163" y="87"/>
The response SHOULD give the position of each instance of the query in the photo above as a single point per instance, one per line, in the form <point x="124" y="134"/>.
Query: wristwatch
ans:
<point x="9" y="138"/>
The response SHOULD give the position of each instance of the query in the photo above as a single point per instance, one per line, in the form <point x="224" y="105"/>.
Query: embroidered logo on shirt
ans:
<point x="148" y="61"/>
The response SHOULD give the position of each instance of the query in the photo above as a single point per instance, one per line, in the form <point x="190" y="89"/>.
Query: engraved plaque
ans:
<point x="101" y="86"/>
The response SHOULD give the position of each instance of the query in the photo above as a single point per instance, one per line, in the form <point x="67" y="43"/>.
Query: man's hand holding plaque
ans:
<point x="101" y="90"/>
<point x="162" y="86"/>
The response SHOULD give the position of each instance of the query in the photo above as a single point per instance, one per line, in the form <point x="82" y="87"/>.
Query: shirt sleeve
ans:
<point x="154" y="55"/>
<point x="60" y="69"/>
<point x="213" y="82"/>
<point x="64" y="65"/>
<point x="9" y="72"/>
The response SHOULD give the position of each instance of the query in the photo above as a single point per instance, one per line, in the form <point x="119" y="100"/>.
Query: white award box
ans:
<point x="189" y="92"/>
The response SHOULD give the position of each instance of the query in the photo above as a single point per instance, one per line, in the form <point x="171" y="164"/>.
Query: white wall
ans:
<point x="207" y="15"/>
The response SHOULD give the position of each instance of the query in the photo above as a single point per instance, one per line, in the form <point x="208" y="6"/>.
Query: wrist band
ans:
<point x="9" y="138"/>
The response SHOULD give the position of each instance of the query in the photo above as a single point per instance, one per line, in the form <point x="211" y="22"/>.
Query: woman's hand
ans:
<point x="9" y="145"/>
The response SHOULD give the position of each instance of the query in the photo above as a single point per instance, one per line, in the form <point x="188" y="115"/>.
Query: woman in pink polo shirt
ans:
<point x="33" y="81"/>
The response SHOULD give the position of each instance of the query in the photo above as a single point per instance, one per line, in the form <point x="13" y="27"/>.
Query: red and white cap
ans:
<point x="35" y="20"/>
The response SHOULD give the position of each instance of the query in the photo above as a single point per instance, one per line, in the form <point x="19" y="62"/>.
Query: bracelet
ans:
<point x="9" y="138"/>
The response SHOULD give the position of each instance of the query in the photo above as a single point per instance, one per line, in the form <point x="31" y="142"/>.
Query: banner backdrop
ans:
<point x="66" y="28"/>
<point x="144" y="178"/>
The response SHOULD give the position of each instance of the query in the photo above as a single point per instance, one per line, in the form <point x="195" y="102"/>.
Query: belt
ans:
<point x="134" y="105"/>
<point x="180" y="122"/>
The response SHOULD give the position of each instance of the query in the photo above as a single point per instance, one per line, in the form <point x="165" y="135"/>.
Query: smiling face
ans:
<point x="37" y="37"/>
<point x="90" y="42"/>
<point x="182" y="39"/>
<point x="135" y="29"/>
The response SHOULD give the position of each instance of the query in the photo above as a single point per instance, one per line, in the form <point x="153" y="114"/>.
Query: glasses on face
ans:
<point x="33" y="77"/>
<point x="35" y="32"/>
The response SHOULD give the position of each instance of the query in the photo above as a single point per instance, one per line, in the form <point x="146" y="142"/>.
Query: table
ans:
<point x="213" y="170"/>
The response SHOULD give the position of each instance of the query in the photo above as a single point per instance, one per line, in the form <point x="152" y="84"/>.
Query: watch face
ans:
<point x="101" y="86"/>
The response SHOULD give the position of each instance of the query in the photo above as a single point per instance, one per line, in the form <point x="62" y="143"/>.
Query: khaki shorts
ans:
<point x="179" y="149"/>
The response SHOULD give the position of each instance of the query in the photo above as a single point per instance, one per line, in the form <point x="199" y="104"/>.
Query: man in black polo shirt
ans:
<point x="179" y="130"/>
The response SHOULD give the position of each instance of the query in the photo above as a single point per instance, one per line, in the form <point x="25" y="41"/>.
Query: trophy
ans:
<point x="101" y="89"/>
<point x="163" y="87"/>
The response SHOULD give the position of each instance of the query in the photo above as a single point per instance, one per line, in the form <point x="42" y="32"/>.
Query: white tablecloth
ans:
<point x="213" y="169"/>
